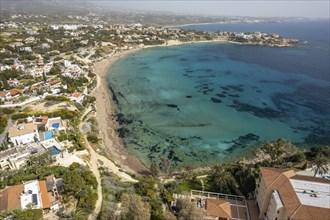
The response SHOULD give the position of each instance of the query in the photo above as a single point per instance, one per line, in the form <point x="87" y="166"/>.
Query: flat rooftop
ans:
<point x="312" y="193"/>
<point x="31" y="195"/>
<point x="22" y="129"/>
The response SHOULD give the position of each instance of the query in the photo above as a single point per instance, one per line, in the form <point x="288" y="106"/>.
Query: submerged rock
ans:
<point x="215" y="100"/>
<point x="243" y="141"/>
<point x="259" y="112"/>
<point x="221" y="95"/>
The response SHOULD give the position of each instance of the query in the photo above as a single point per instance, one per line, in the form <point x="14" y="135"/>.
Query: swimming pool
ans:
<point x="56" y="125"/>
<point x="54" y="150"/>
<point x="48" y="135"/>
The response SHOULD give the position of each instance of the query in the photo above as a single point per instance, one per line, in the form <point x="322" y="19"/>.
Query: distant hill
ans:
<point x="45" y="6"/>
<point x="58" y="10"/>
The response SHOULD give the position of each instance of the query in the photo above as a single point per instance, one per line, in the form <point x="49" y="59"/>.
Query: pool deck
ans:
<point x="51" y="142"/>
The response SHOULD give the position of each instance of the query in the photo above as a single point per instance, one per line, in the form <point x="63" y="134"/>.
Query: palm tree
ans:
<point x="221" y="180"/>
<point x="30" y="161"/>
<point x="320" y="165"/>
<point x="245" y="178"/>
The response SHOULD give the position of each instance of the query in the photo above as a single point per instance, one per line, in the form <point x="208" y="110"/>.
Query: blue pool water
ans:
<point x="212" y="102"/>
<point x="56" y="125"/>
<point x="48" y="135"/>
<point x="54" y="151"/>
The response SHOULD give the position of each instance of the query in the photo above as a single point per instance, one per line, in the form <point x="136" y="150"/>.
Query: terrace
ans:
<point x="218" y="205"/>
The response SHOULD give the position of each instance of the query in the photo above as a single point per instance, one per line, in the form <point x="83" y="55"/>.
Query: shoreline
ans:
<point x="112" y="143"/>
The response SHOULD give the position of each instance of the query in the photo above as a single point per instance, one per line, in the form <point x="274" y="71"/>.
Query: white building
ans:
<point x="53" y="146"/>
<point x="9" y="94"/>
<point x="23" y="134"/>
<point x="15" y="158"/>
<point x="67" y="63"/>
<point x="77" y="97"/>
<point x="282" y="194"/>
<point x="31" y="196"/>
<point x="54" y="124"/>
<point x="35" y="194"/>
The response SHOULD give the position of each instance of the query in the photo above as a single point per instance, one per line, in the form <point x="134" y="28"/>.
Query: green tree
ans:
<point x="221" y="180"/>
<point x="133" y="208"/>
<point x="73" y="182"/>
<point x="320" y="165"/>
<point x="189" y="210"/>
<point x="55" y="70"/>
<point x="30" y="214"/>
<point x="245" y="179"/>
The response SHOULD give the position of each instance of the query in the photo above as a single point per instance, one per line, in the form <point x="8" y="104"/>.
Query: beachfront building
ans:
<point x="77" y="97"/>
<point x="35" y="194"/>
<point x="23" y="134"/>
<point x="282" y="194"/>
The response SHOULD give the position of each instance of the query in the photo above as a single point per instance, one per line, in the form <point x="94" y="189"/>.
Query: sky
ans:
<point x="267" y="8"/>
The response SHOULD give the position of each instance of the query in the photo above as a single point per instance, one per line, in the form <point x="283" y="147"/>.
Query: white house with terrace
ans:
<point x="23" y="134"/>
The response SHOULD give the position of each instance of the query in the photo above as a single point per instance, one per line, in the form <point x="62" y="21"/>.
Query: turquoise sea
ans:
<point x="205" y="103"/>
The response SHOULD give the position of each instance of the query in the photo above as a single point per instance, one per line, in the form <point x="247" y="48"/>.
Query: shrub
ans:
<point x="92" y="138"/>
<point x="57" y="98"/>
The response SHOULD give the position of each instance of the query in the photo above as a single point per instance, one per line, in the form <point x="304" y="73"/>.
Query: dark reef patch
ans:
<point x="188" y="96"/>
<point x="318" y="136"/>
<point x="228" y="72"/>
<point x="114" y="97"/>
<point x="233" y="95"/>
<point x="204" y="70"/>
<point x="256" y="111"/>
<point x="172" y="105"/>
<point x="206" y="76"/>
<point x="215" y="100"/>
<point x="166" y="57"/>
<point x="221" y="95"/>
<point x="236" y="88"/>
<point x="243" y="141"/>
<point x="121" y="119"/>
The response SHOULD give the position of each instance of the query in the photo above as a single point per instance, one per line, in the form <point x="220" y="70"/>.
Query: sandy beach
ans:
<point x="105" y="117"/>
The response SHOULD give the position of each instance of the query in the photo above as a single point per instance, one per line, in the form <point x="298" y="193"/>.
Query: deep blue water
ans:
<point x="211" y="102"/>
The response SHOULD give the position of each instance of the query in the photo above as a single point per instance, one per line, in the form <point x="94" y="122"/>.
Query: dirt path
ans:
<point x="94" y="163"/>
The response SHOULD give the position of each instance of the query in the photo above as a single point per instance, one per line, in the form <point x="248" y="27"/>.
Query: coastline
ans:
<point x="105" y="117"/>
<point x="113" y="144"/>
